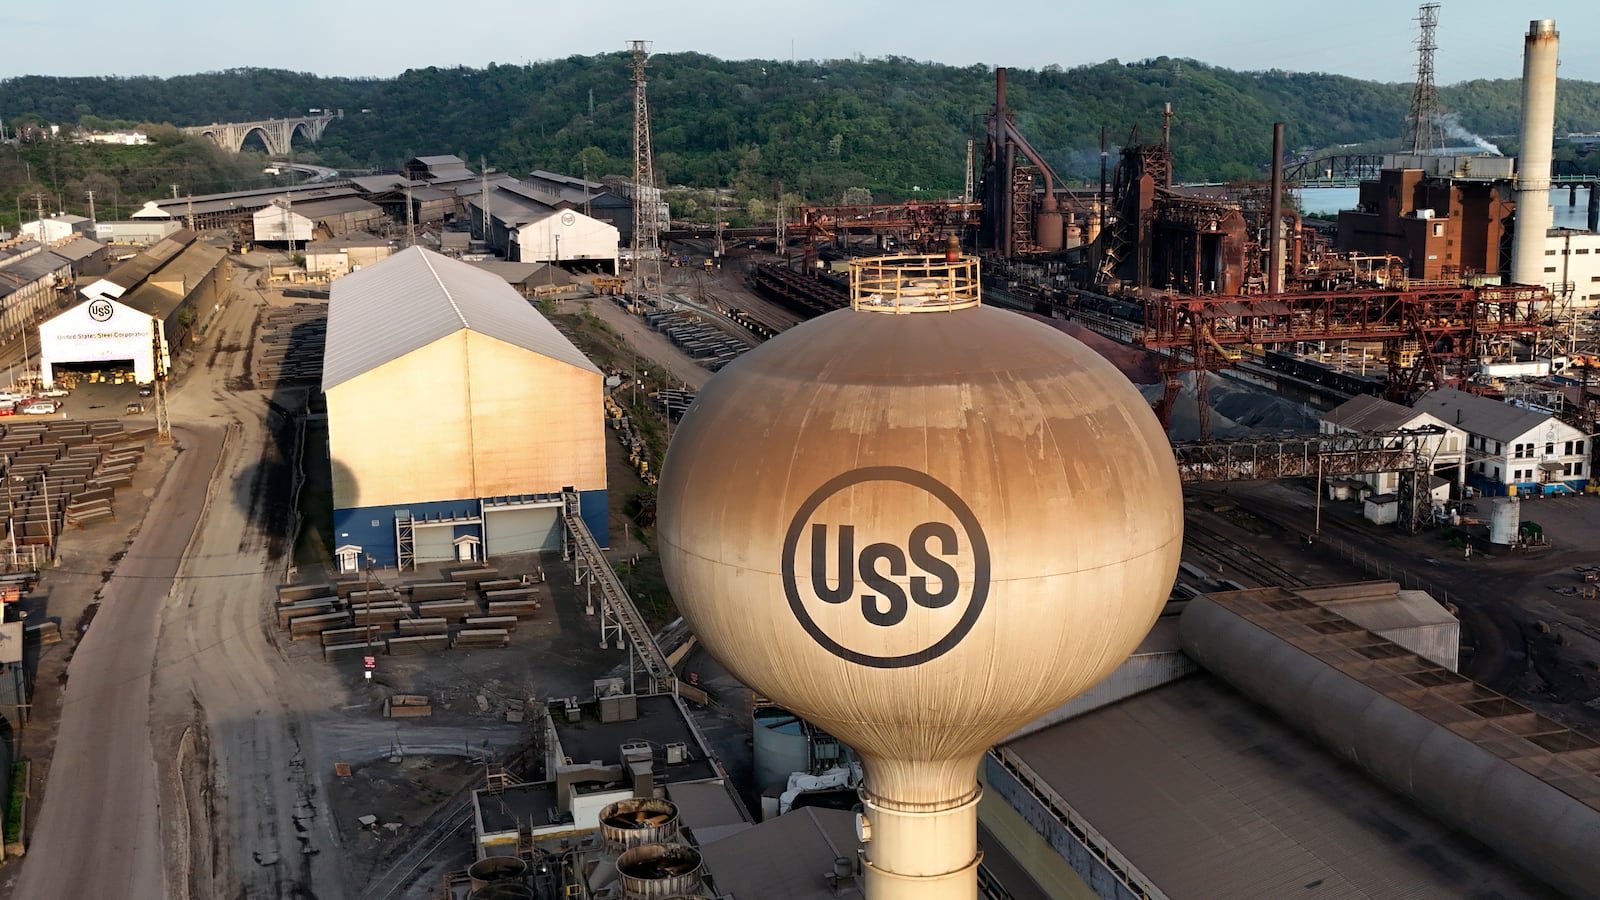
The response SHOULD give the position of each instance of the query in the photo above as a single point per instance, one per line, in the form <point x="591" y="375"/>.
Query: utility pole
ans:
<point x="966" y="193"/>
<point x="1424" y="130"/>
<point x="49" y="518"/>
<point x="781" y="231"/>
<point x="91" y="205"/>
<point x="483" y="172"/>
<point x="411" y="218"/>
<point x="646" y="199"/>
<point x="38" y="202"/>
<point x="163" y="421"/>
<point x="174" y="191"/>
<point x="720" y="249"/>
<point x="191" y="212"/>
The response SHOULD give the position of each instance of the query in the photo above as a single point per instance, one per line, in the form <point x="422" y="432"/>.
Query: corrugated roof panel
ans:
<point x="1209" y="795"/>
<point x="416" y="297"/>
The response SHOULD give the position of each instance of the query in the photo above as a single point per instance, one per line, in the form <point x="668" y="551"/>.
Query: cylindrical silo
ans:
<point x="1505" y="519"/>
<point x="503" y="890"/>
<point x="919" y="523"/>
<point x="659" y="871"/>
<point x="492" y="869"/>
<point x="639" y="820"/>
<point x="1049" y="227"/>
<point x="780" y="746"/>
<point x="1535" y="145"/>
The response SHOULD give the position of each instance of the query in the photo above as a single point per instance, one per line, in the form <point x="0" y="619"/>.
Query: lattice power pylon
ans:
<point x="1426" y="132"/>
<point x="646" y="198"/>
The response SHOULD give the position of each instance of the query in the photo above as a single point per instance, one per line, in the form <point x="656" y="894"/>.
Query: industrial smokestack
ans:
<point x="1533" y="159"/>
<point x="1275" y="215"/>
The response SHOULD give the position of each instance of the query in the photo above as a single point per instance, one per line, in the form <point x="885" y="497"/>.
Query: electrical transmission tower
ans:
<point x="646" y="199"/>
<point x="1426" y="132"/>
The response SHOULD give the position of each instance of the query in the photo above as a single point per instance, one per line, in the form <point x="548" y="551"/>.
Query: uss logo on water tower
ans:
<point x="886" y="567"/>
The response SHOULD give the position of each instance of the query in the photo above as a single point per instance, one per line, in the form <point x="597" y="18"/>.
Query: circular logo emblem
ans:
<point x="568" y="218"/>
<point x="100" y="310"/>
<point x="886" y="567"/>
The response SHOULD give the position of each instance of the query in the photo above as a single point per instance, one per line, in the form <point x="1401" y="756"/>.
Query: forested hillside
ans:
<point x="893" y="126"/>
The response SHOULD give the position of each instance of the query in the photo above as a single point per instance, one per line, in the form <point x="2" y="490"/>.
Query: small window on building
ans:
<point x="1577" y="449"/>
<point x="1566" y="469"/>
<point x="1550" y="448"/>
<point x="1438" y="229"/>
<point x="1581" y="251"/>
<point x="1549" y="268"/>
<point x="1577" y="469"/>
<point x="1550" y="253"/>
<point x="1568" y="450"/>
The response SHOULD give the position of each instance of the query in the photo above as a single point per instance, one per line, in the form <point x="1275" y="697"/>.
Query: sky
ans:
<point x="1370" y="39"/>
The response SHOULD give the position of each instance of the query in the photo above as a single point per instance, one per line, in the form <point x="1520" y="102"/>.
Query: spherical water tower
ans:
<point x="920" y="523"/>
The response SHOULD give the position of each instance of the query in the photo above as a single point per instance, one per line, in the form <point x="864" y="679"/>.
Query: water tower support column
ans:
<point x="929" y="854"/>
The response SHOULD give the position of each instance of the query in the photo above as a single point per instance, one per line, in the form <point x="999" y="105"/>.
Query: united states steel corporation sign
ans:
<point x="902" y="591"/>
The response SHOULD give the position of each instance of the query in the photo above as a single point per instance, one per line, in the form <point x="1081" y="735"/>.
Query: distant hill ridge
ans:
<point x="895" y="126"/>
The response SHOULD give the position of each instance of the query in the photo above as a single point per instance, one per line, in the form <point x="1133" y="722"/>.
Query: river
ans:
<point x="1328" y="201"/>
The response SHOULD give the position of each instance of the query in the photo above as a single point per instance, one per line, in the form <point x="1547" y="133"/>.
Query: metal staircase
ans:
<point x="618" y="614"/>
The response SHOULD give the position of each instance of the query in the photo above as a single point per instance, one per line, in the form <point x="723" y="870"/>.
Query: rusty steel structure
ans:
<point x="921" y="227"/>
<point x="1019" y="219"/>
<point x="1319" y="456"/>
<point x="1448" y="328"/>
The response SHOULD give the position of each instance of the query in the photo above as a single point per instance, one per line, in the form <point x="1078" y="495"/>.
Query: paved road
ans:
<point x="99" y="829"/>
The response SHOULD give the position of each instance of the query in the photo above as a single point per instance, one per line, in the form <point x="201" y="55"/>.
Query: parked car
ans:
<point x="39" y="407"/>
<point x="146" y="390"/>
<point x="54" y="392"/>
<point x="8" y="409"/>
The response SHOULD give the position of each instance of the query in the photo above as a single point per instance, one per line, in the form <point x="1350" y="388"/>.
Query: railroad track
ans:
<point x="1229" y="559"/>
<point x="400" y="875"/>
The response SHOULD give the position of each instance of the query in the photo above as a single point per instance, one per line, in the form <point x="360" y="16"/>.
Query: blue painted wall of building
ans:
<point x="355" y="526"/>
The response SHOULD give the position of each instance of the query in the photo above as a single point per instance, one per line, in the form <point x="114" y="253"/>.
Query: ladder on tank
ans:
<point x="618" y="614"/>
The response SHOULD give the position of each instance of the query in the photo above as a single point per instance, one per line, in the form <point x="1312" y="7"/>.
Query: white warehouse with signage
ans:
<point x="166" y="292"/>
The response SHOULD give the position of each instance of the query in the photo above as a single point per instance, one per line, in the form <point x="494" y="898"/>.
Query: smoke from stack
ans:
<point x="1533" y="159"/>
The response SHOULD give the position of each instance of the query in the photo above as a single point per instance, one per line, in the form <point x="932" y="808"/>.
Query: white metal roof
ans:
<point x="416" y="297"/>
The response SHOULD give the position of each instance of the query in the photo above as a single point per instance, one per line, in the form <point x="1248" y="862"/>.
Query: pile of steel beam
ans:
<point x="804" y="294"/>
<point x="292" y="340"/>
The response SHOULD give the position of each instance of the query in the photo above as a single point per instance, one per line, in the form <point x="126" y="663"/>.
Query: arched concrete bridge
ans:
<point x="275" y="133"/>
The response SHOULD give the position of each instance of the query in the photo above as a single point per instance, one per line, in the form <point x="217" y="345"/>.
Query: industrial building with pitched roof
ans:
<point x="457" y="416"/>
<point x="159" y="298"/>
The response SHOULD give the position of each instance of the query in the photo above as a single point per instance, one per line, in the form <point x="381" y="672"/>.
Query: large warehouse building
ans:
<point x="456" y="417"/>
<point x="178" y="284"/>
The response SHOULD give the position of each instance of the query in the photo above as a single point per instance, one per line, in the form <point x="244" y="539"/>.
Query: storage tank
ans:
<point x="640" y="820"/>
<point x="659" y="871"/>
<point x="1049" y="227"/>
<point x="920" y="523"/>
<point x="1505" y="520"/>
<point x="780" y="746"/>
<point x="492" y="869"/>
<point x="503" y="890"/>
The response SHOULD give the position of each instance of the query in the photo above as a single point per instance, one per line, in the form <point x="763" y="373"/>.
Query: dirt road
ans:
<point x="98" y="833"/>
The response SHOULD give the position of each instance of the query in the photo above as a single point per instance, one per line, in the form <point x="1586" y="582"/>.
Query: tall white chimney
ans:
<point x="1533" y="159"/>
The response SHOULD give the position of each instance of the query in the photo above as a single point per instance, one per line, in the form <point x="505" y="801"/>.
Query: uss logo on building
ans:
<point x="886" y="567"/>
